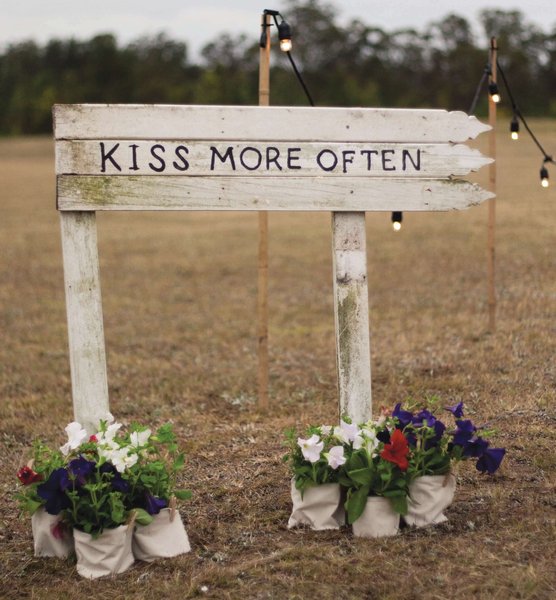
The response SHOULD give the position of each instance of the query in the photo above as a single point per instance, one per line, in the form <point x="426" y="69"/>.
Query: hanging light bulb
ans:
<point x="285" y="36"/>
<point x="493" y="91"/>
<point x="514" y="128"/>
<point x="544" y="176"/>
<point x="397" y="218"/>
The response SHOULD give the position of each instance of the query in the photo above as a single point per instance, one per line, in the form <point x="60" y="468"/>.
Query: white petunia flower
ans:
<point x="139" y="438"/>
<point x="107" y="418"/>
<point x="111" y="430"/>
<point x="325" y="429"/>
<point x="311" y="448"/>
<point x="336" y="457"/>
<point x="76" y="436"/>
<point x="107" y="437"/>
<point x="346" y="432"/>
<point x="358" y="442"/>
<point x="370" y="441"/>
<point x="121" y="459"/>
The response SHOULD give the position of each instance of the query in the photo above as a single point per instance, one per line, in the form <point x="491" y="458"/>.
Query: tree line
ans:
<point x="355" y="64"/>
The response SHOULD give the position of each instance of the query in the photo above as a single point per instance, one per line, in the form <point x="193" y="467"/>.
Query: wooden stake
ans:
<point x="262" y="304"/>
<point x="85" y="325"/>
<point x="492" y="201"/>
<point x="351" y="313"/>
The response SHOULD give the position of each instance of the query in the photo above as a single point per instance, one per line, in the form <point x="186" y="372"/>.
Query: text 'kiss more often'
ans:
<point x="178" y="158"/>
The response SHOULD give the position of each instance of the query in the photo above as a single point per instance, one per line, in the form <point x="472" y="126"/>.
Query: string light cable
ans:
<point x="285" y="37"/>
<point x="547" y="158"/>
<point x="486" y="73"/>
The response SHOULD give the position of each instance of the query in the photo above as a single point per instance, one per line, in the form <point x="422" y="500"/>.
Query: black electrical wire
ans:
<point x="292" y="62"/>
<point x="300" y="79"/>
<point x="517" y="111"/>
<point x="473" y="106"/>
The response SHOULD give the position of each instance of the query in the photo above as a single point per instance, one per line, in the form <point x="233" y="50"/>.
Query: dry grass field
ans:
<point x="179" y="293"/>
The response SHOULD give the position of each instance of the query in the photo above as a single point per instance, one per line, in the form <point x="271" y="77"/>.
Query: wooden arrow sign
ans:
<point x="111" y="157"/>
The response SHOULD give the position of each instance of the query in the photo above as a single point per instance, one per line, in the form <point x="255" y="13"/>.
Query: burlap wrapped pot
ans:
<point x="320" y="507"/>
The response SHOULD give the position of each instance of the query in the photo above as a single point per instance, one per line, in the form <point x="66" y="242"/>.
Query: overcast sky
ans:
<point x="199" y="21"/>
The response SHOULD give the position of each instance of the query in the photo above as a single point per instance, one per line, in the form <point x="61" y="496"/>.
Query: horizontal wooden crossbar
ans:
<point x="85" y="193"/>
<point x="260" y="159"/>
<point x="277" y="124"/>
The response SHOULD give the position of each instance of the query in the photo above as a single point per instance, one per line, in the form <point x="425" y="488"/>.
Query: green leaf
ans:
<point x="344" y="480"/>
<point x="393" y="493"/>
<point x="355" y="462"/>
<point x="165" y="435"/>
<point x="179" y="462"/>
<point x="142" y="517"/>
<point x="361" y="476"/>
<point x="356" y="503"/>
<point x="117" y="508"/>
<point x="399" y="504"/>
<point x="183" y="494"/>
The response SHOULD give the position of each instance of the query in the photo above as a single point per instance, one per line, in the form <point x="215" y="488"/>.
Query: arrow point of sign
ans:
<point x="473" y="192"/>
<point x="472" y="126"/>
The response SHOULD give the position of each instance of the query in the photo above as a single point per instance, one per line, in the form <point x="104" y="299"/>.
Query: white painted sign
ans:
<point x="348" y="161"/>
<point x="254" y="158"/>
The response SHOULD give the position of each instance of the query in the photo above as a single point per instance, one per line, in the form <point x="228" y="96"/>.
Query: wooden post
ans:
<point x="492" y="202"/>
<point x="84" y="314"/>
<point x="351" y="314"/>
<point x="262" y="303"/>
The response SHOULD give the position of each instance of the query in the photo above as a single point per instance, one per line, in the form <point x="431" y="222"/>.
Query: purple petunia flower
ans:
<point x="410" y="437"/>
<point x="119" y="484"/>
<point x="424" y="418"/>
<point x="439" y="429"/>
<point x="153" y="505"/>
<point x="490" y="460"/>
<point x="53" y="492"/>
<point x="383" y="436"/>
<point x="464" y="432"/>
<point x="404" y="416"/>
<point x="475" y="448"/>
<point x="456" y="410"/>
<point x="80" y="468"/>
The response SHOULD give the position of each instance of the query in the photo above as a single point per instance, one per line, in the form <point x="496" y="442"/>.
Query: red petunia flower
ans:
<point x="396" y="451"/>
<point x="58" y="530"/>
<point x="27" y="476"/>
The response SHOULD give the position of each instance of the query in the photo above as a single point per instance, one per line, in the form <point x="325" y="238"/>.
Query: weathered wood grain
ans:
<point x="351" y="314"/>
<point x="84" y="313"/>
<point x="257" y="158"/>
<point x="236" y="123"/>
<point x="268" y="193"/>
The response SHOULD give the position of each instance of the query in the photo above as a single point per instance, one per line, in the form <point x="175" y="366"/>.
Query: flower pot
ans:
<point x="163" y="538"/>
<point x="378" y="519"/>
<point x="51" y="536"/>
<point x="428" y="497"/>
<point x="321" y="507"/>
<point x="108" y="554"/>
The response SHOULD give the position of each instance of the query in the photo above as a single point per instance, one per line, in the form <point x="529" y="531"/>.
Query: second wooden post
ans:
<point x="351" y="313"/>
<point x="262" y="302"/>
